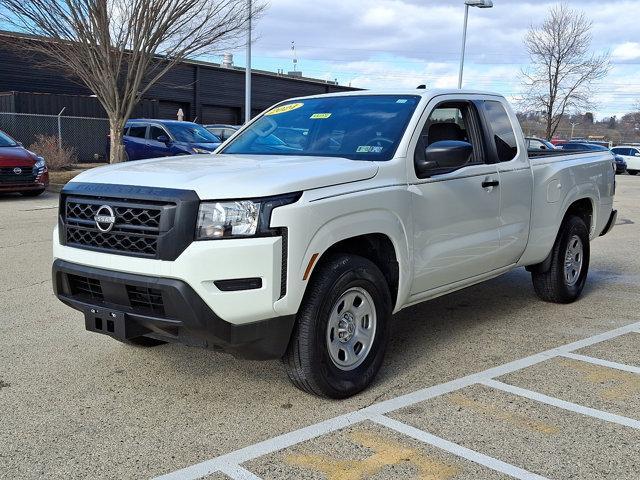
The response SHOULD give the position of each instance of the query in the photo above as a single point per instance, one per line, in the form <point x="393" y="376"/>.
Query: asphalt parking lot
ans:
<point x="487" y="383"/>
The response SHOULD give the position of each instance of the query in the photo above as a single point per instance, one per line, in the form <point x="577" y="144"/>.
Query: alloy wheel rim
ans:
<point x="573" y="261"/>
<point x="351" y="329"/>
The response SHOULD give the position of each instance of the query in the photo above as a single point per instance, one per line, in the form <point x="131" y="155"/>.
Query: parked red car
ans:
<point x="21" y="170"/>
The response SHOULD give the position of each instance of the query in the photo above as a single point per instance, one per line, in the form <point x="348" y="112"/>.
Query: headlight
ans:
<point x="227" y="219"/>
<point x="40" y="163"/>
<point x="240" y="218"/>
<point x="200" y="150"/>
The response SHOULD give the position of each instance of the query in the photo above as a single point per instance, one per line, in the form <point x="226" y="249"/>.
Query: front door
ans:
<point x="455" y="214"/>
<point x="155" y="147"/>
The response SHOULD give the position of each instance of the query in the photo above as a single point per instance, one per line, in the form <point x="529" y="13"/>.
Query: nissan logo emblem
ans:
<point x="17" y="170"/>
<point x="105" y="218"/>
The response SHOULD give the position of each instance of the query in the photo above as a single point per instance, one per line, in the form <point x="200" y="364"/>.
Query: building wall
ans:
<point x="208" y="93"/>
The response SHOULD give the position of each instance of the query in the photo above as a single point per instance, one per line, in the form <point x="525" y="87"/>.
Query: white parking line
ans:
<point x="230" y="461"/>
<point x="239" y="473"/>
<point x="556" y="402"/>
<point x="602" y="363"/>
<point x="458" y="450"/>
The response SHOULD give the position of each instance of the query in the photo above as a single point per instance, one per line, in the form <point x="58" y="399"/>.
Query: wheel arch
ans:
<point x="375" y="235"/>
<point x="583" y="207"/>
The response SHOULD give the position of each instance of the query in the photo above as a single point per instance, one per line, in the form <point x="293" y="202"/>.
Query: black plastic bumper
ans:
<point x="127" y="306"/>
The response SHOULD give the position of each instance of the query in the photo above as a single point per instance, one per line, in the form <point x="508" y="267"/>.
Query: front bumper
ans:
<point x="126" y="306"/>
<point x="40" y="182"/>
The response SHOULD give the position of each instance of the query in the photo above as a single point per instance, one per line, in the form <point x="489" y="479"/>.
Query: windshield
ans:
<point x="363" y="127"/>
<point x="192" y="133"/>
<point x="7" y="141"/>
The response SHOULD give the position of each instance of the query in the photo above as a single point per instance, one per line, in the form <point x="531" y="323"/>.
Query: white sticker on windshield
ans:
<point x="377" y="149"/>
<point x="401" y="100"/>
<point x="364" y="149"/>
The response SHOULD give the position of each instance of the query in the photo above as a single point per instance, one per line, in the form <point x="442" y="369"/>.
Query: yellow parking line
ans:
<point x="616" y="384"/>
<point x="518" y="420"/>
<point x="386" y="452"/>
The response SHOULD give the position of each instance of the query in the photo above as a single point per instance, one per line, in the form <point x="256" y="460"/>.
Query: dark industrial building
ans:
<point x="206" y="92"/>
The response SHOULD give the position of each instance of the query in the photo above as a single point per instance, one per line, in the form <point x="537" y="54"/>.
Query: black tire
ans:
<point x="552" y="285"/>
<point x="632" y="172"/>
<point x="307" y="361"/>
<point x="32" y="193"/>
<point x="144" y="342"/>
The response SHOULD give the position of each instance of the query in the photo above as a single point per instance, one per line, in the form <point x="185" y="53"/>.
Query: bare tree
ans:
<point x="120" y="48"/>
<point x="563" y="70"/>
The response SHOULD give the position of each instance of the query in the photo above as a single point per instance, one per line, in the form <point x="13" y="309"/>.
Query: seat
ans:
<point x="445" y="131"/>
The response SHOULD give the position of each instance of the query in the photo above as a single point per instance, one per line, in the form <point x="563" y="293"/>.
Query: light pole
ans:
<point x="247" y="73"/>
<point x="467" y="4"/>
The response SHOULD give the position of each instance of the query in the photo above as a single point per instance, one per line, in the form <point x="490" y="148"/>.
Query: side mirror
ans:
<point x="637" y="154"/>
<point x="444" y="155"/>
<point x="164" y="139"/>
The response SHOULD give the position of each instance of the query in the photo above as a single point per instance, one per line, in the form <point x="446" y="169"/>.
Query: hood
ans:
<point x="215" y="177"/>
<point x="16" y="157"/>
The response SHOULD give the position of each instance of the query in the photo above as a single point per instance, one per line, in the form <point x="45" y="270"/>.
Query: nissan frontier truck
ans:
<point x="320" y="219"/>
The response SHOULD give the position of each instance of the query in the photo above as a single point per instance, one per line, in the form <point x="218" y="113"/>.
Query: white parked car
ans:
<point x="303" y="247"/>
<point x="631" y="155"/>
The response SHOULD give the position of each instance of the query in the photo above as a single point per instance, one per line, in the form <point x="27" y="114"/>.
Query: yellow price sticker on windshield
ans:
<point x="317" y="116"/>
<point x="284" y="108"/>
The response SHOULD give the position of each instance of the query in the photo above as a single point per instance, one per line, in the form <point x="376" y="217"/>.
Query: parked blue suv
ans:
<point x="145" y="138"/>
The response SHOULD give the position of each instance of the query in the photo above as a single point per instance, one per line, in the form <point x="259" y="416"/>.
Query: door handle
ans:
<point x="490" y="183"/>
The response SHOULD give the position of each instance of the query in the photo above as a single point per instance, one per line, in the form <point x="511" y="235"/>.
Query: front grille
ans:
<point x="136" y="229"/>
<point x="136" y="216"/>
<point x="143" y="245"/>
<point x="26" y="175"/>
<point x="85" y="287"/>
<point x="147" y="299"/>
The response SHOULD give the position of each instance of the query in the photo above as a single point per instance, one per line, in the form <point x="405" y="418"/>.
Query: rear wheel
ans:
<point x="632" y="172"/>
<point x="341" y="330"/>
<point x="565" y="279"/>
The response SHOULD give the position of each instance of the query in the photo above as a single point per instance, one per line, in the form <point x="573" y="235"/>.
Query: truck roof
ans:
<point x="405" y="91"/>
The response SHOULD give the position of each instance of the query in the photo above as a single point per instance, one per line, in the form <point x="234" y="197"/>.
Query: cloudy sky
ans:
<point x="403" y="43"/>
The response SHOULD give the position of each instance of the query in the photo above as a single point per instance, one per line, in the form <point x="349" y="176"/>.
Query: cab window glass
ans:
<point x="450" y="139"/>
<point x="156" y="132"/>
<point x="137" y="131"/>
<point x="452" y="121"/>
<point x="503" y="134"/>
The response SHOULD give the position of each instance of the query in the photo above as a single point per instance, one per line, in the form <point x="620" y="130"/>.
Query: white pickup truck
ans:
<point x="319" y="220"/>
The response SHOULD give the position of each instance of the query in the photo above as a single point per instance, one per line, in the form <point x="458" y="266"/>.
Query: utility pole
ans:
<point x="247" y="74"/>
<point x="573" y="126"/>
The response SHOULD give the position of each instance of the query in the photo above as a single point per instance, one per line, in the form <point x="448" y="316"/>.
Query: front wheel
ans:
<point x="341" y="330"/>
<point x="632" y="172"/>
<point x="565" y="279"/>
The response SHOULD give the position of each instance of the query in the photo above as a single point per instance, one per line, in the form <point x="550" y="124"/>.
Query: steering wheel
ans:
<point x="380" y="139"/>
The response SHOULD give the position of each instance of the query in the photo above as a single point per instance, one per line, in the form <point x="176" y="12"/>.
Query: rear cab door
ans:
<point x="507" y="150"/>
<point x="135" y="141"/>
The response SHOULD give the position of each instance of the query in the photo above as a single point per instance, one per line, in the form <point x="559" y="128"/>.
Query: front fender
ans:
<point x="320" y="236"/>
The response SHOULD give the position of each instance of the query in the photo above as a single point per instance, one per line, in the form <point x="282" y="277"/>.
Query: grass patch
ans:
<point x="60" y="177"/>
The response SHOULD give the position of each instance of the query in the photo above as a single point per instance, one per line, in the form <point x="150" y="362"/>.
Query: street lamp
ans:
<point x="247" y="71"/>
<point x="467" y="4"/>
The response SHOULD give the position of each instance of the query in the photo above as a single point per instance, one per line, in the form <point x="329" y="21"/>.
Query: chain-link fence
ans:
<point x="86" y="135"/>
